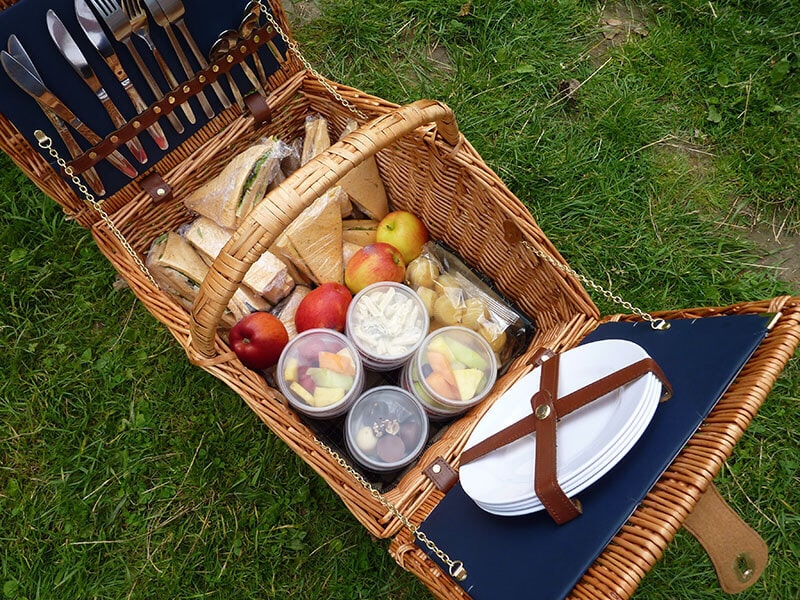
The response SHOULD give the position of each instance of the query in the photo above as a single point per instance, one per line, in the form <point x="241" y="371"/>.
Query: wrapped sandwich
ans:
<point x="242" y="184"/>
<point x="364" y="185"/>
<point x="313" y="242"/>
<point x="179" y="271"/>
<point x="268" y="276"/>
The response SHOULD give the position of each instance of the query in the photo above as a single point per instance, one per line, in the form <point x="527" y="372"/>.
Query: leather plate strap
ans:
<point x="738" y="553"/>
<point x="545" y="481"/>
<point x="548" y="408"/>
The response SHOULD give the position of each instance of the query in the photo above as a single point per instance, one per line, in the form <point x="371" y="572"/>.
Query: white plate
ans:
<point x="598" y="467"/>
<point x="593" y="472"/>
<point x="504" y="478"/>
<point x="595" y="469"/>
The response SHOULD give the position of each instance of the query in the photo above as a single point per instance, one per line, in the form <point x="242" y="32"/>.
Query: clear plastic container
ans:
<point x="320" y="373"/>
<point x="386" y="429"/>
<point x="387" y="322"/>
<point x="453" y="370"/>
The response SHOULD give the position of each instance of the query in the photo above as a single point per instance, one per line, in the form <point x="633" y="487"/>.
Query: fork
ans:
<point x="175" y="11"/>
<point x="160" y="17"/>
<point x="120" y="26"/>
<point x="139" y="27"/>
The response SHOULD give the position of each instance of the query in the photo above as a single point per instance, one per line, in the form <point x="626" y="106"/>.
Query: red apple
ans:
<point x="373" y="263"/>
<point x="258" y="339"/>
<point x="324" y="306"/>
<point x="405" y="231"/>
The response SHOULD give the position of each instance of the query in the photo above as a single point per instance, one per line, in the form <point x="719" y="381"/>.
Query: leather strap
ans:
<point x="547" y="409"/>
<point x="155" y="185"/>
<point x="443" y="475"/>
<point x="545" y="480"/>
<point x="567" y="404"/>
<point x="172" y="100"/>
<point x="738" y="553"/>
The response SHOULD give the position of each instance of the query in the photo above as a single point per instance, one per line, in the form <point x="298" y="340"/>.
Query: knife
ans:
<point x="36" y="88"/>
<point x="14" y="46"/>
<point x="69" y="49"/>
<point x="97" y="37"/>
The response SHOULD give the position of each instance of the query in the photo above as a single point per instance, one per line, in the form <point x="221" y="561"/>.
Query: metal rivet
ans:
<point x="157" y="110"/>
<point x="229" y="59"/>
<point x="215" y="68"/>
<point x="542" y="411"/>
<point x="186" y="89"/>
<point x="171" y="100"/>
<point x="436" y="469"/>
<point x="202" y="78"/>
<point x="161" y="191"/>
<point x="114" y="138"/>
<point x="242" y="48"/>
<point x="136" y="124"/>
<point x="92" y="155"/>
<point x="256" y="38"/>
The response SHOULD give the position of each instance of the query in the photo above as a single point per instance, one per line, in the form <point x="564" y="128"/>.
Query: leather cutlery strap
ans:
<point x="172" y="100"/>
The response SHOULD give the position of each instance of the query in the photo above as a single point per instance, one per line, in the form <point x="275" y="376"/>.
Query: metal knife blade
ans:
<point x="36" y="88"/>
<point x="95" y="34"/>
<point x="69" y="49"/>
<point x="16" y="50"/>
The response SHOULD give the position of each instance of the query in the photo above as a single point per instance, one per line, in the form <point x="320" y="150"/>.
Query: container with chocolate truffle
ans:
<point x="386" y="429"/>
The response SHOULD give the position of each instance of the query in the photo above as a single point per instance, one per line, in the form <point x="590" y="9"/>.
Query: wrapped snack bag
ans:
<point x="454" y="295"/>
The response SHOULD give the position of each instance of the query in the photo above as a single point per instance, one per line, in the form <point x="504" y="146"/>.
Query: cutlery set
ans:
<point x="126" y="20"/>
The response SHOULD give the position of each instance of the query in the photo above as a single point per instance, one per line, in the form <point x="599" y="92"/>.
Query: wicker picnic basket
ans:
<point x="429" y="168"/>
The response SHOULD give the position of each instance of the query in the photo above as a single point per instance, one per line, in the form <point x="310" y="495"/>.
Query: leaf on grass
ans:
<point x="713" y="114"/>
<point x="17" y="254"/>
<point x="779" y="70"/>
<point x="10" y="588"/>
<point x="525" y="69"/>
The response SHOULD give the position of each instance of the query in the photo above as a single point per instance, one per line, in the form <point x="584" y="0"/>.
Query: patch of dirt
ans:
<point x="620" y="22"/>
<point x="781" y="253"/>
<point x="299" y="12"/>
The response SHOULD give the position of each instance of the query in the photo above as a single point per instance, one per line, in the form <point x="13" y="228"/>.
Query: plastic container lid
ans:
<point x="387" y="322"/>
<point x="454" y="368"/>
<point x="386" y="429"/>
<point x="320" y="373"/>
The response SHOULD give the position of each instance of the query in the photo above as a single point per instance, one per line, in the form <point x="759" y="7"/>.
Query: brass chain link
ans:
<point x="46" y="143"/>
<point x="657" y="324"/>
<point x="455" y="567"/>
<point x="296" y="51"/>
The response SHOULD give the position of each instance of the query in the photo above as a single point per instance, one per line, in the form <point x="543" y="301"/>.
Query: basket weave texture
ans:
<point x="430" y="169"/>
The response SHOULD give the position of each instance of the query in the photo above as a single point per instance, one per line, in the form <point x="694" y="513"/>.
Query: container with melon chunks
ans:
<point x="320" y="373"/>
<point x="453" y="370"/>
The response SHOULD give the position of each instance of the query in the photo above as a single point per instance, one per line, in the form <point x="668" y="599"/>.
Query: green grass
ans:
<point x="127" y="473"/>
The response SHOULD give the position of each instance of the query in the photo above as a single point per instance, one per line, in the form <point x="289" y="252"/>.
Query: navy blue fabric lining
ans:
<point x="532" y="557"/>
<point x="205" y="20"/>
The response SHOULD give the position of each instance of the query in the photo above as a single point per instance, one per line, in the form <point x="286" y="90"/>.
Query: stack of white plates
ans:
<point x="589" y="441"/>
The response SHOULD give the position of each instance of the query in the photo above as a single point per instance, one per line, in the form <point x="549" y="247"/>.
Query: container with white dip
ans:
<point x="386" y="322"/>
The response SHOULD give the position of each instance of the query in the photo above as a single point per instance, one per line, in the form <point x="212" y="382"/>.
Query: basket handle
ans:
<point x="271" y="216"/>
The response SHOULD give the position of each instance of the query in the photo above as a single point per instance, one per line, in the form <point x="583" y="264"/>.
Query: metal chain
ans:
<point x="455" y="567"/>
<point x="657" y="324"/>
<point x="296" y="51"/>
<point x="47" y="144"/>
